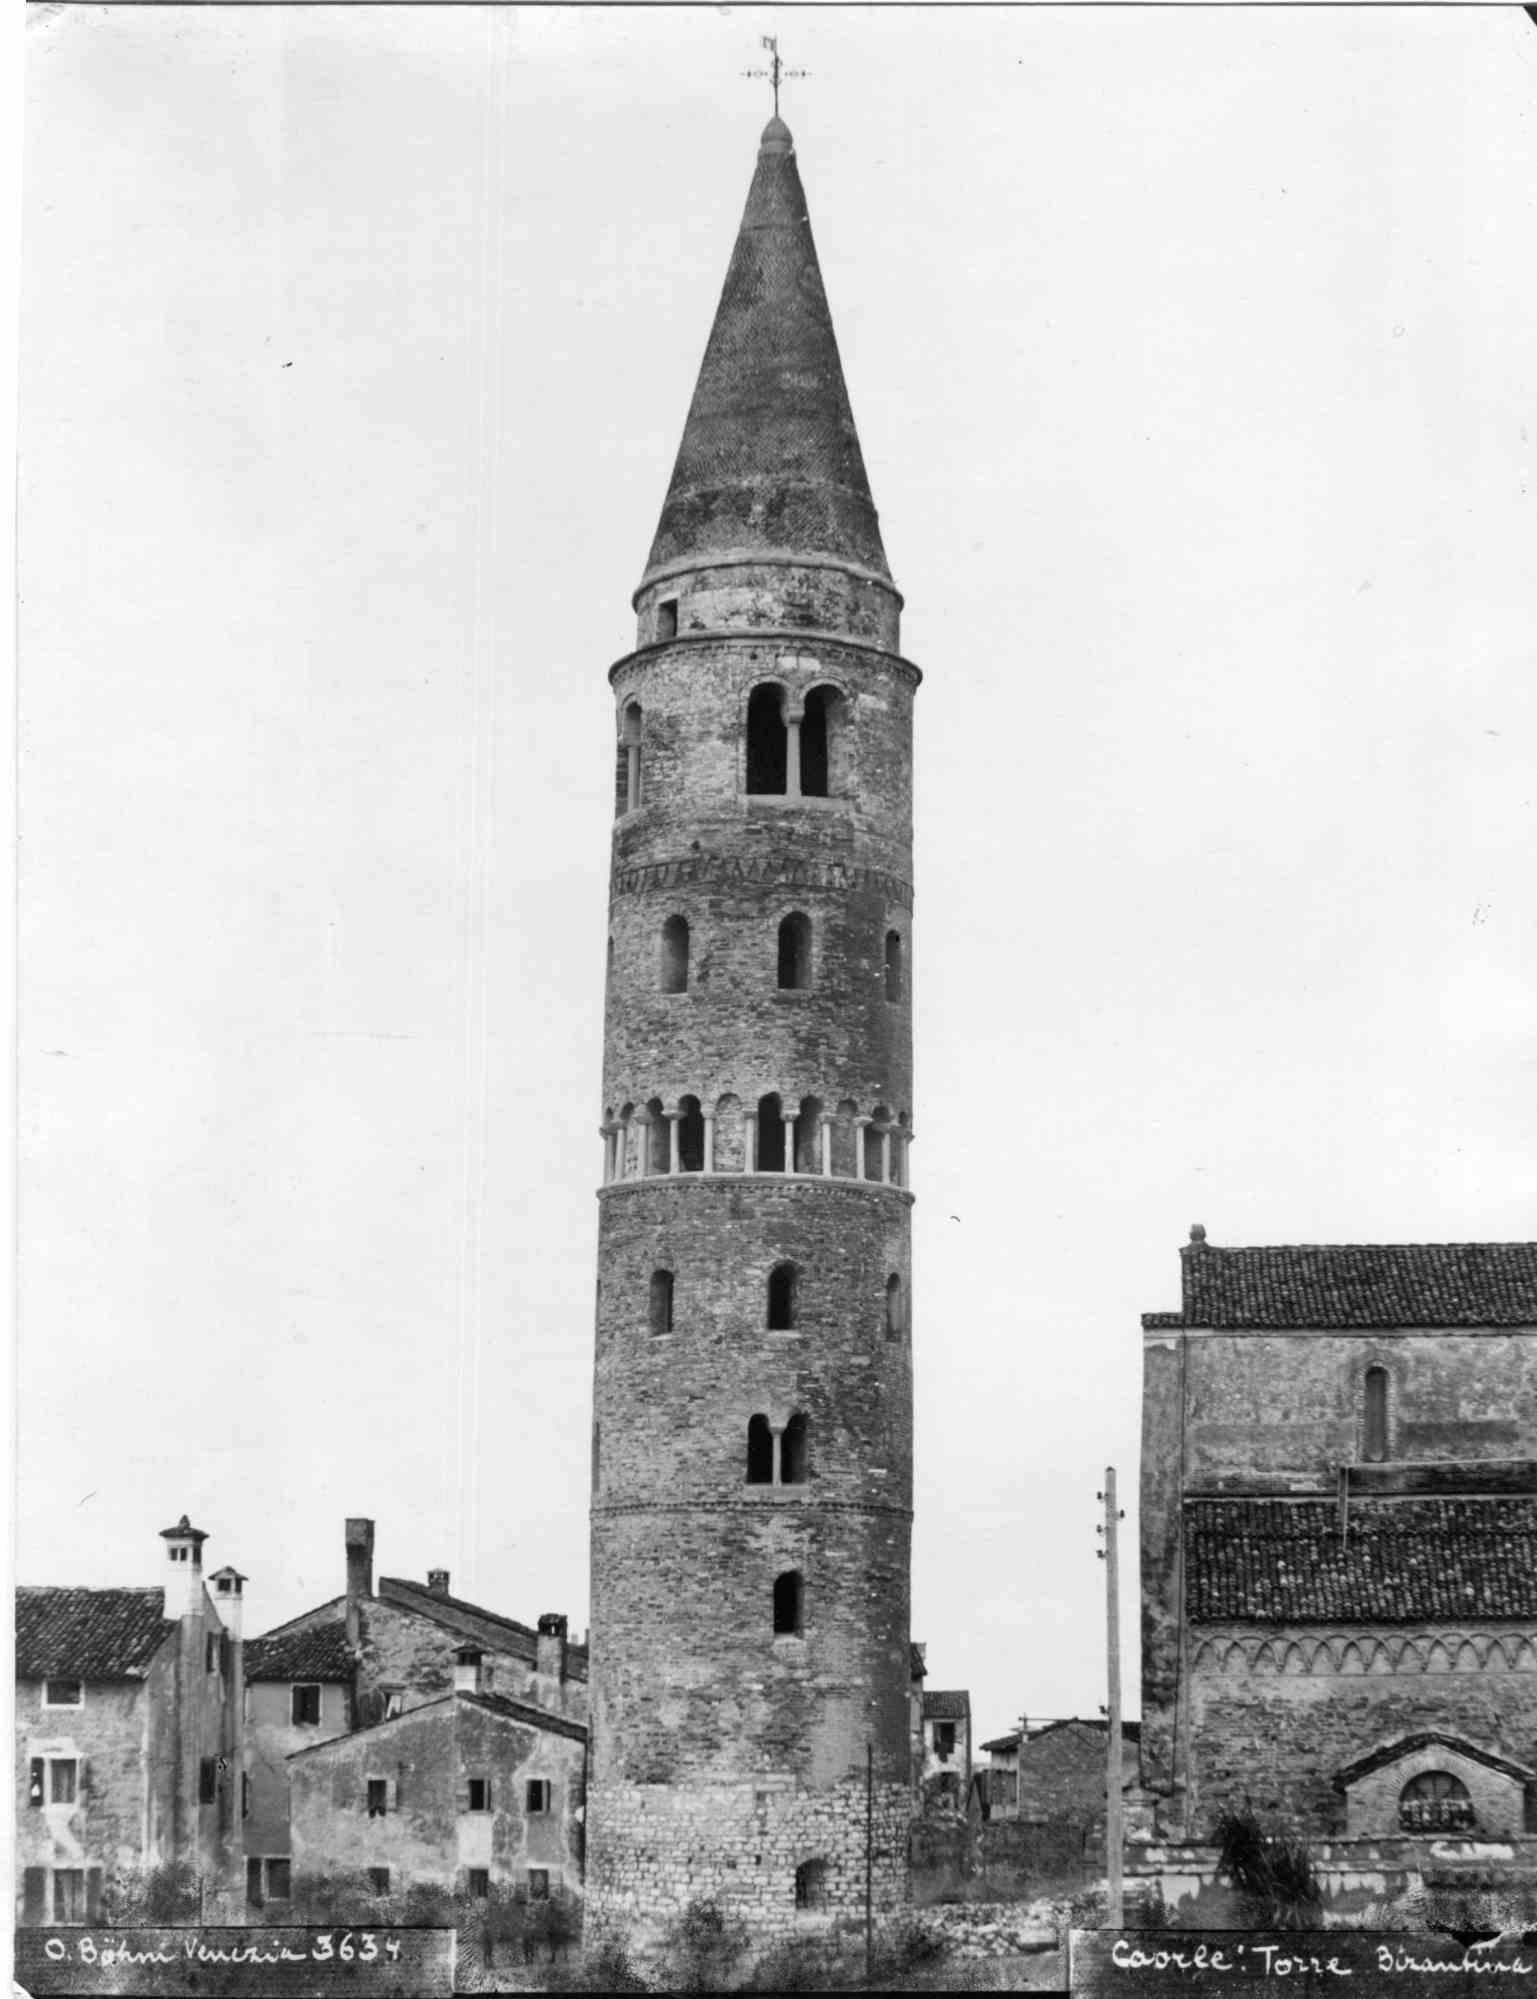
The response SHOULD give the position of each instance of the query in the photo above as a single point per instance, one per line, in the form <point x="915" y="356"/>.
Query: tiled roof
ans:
<point x="1400" y="1561"/>
<point x="442" y="1705"/>
<point x="1359" y="1284"/>
<point x="770" y="461"/>
<point x="943" y="1706"/>
<point x="1000" y="1743"/>
<point x="316" y="1652"/>
<point x="458" y="1614"/>
<point x="89" y="1634"/>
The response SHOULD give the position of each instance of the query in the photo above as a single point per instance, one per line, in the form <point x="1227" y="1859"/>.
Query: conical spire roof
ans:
<point x="770" y="460"/>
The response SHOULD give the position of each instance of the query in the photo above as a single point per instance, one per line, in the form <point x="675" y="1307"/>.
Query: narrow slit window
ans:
<point x="893" y="965"/>
<point x="767" y="754"/>
<point x="792" y="1470"/>
<point x="771" y="1134"/>
<point x="789" y="1604"/>
<point x="627" y="763"/>
<point x="795" y="953"/>
<point x="378" y="1797"/>
<point x="675" y="955"/>
<point x="207" y="1780"/>
<point x="691" y="1135"/>
<point x="661" y="1301"/>
<point x="817" y="725"/>
<point x="896" y="1308"/>
<point x="782" y="1301"/>
<point x="760" y="1452"/>
<point x="1375" y="1425"/>
<point x="667" y="618"/>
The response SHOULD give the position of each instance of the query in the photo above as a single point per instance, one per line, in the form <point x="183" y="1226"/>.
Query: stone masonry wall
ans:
<point x="1277" y="1737"/>
<point x="656" y="1848"/>
<point x="794" y="596"/>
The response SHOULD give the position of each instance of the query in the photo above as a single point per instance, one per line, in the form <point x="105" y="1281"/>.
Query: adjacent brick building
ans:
<point x="128" y="1718"/>
<point x="752" y="1436"/>
<point x="1054" y="1773"/>
<point x="1339" y="1547"/>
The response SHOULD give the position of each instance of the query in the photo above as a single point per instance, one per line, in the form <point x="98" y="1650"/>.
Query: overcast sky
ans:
<point x="1191" y="353"/>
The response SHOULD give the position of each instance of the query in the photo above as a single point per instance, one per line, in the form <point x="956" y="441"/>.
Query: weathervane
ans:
<point x="775" y="72"/>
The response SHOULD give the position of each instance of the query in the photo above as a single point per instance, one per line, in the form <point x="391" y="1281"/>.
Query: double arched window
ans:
<point x="627" y="764"/>
<point x="777" y="1459"/>
<point x="792" y="751"/>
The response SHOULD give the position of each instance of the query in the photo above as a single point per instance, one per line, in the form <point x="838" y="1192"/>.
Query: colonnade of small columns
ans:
<point x="623" y="1162"/>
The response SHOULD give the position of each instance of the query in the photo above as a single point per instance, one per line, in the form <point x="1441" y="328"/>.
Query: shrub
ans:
<point x="1273" y="1876"/>
<point x="154" y="1897"/>
<point x="702" y="1948"/>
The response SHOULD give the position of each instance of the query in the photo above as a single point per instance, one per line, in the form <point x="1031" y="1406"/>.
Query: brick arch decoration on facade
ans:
<point x="1392" y="1652"/>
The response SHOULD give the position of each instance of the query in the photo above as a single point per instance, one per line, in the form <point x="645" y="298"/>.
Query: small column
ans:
<point x="776" y="1431"/>
<point x="750" y="1140"/>
<point x="827" y="1146"/>
<point x="606" y="1132"/>
<point x="905" y="1167"/>
<point x="886" y="1155"/>
<point x="631" y="776"/>
<point x="859" y="1147"/>
<point x="788" y="1119"/>
<point x="793" y="717"/>
<point x="709" y="1141"/>
<point x="674" y="1162"/>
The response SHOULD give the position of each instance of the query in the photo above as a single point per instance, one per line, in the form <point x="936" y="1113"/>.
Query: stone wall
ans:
<point x="1274" y="1730"/>
<point x="272" y="1736"/>
<point x="657" y="1847"/>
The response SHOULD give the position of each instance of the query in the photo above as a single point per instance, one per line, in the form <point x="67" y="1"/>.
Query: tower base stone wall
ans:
<point x="656" y="1848"/>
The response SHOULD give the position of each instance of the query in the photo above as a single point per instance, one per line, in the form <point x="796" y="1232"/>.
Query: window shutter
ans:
<point x="34" y="1889"/>
<point x="35" y="1787"/>
<point x="93" y="1894"/>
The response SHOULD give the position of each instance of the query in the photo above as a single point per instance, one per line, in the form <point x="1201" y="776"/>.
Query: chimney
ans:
<point x="437" y="1581"/>
<point x="184" y="1586"/>
<point x="360" y="1575"/>
<point x="229" y="1600"/>
<point x="550" y="1647"/>
<point x="467" y="1665"/>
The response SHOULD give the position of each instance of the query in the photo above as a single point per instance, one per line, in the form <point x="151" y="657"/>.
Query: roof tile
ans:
<point x="89" y="1634"/>
<point x="1407" y="1561"/>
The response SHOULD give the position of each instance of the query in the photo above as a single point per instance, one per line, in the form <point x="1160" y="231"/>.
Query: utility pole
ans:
<point x="869" y="1855"/>
<point x="1113" y="1828"/>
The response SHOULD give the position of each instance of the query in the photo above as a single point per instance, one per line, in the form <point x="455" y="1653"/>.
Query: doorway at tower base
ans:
<point x="768" y="1856"/>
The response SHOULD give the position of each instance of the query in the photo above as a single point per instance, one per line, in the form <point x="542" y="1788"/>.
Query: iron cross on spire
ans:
<point x="776" y="71"/>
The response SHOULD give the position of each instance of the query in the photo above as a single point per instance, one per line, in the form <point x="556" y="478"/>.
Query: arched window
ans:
<point x="893" y="964"/>
<point x="658" y="1141"/>
<point x="675" y="955"/>
<point x="690" y="1136"/>
<point x="792" y="1452"/>
<point x="661" y="1301"/>
<point x="788" y="1604"/>
<point x="781" y="1298"/>
<point x="760" y="1452"/>
<point x="627" y="768"/>
<point x="1435" y="1801"/>
<point x="771" y="1134"/>
<point x="823" y="706"/>
<point x="878" y="1128"/>
<point x="808" y="1136"/>
<point x="896" y="1308"/>
<point x="795" y="953"/>
<point x="1374" y="1425"/>
<point x="766" y="740"/>
<point x="625" y="1164"/>
<point x="811" y="1885"/>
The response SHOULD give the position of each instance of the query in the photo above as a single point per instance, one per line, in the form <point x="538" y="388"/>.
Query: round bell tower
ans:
<point x="752" y="1436"/>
